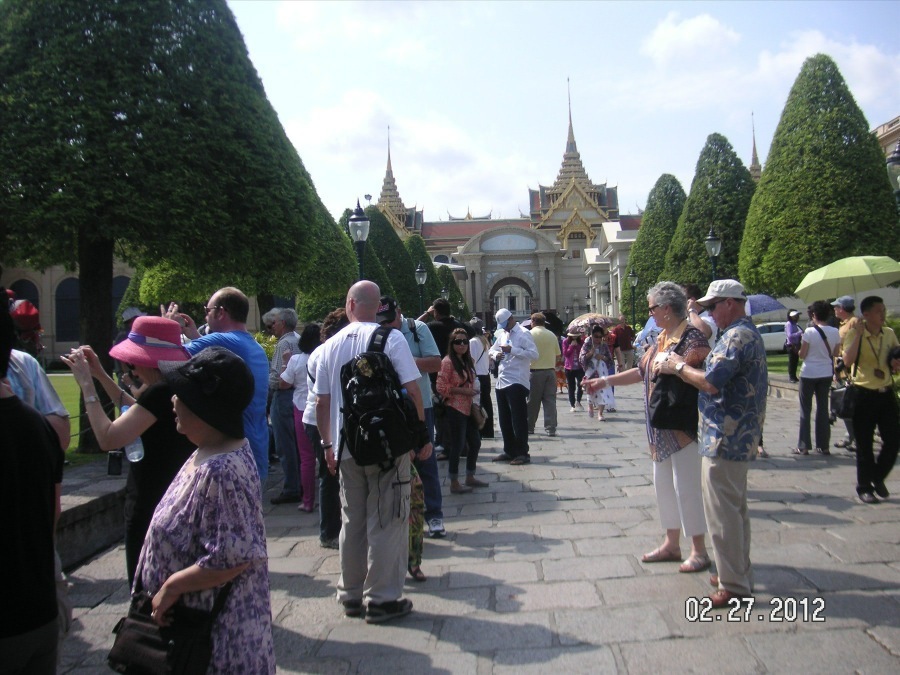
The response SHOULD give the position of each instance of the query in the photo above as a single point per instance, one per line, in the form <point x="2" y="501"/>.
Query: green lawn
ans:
<point x="778" y="363"/>
<point x="69" y="393"/>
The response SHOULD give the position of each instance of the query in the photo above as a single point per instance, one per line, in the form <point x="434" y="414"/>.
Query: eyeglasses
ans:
<point x="652" y="309"/>
<point x="459" y="342"/>
<point x="711" y="307"/>
<point x="213" y="308"/>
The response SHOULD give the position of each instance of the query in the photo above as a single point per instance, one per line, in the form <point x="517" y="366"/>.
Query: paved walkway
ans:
<point x="542" y="572"/>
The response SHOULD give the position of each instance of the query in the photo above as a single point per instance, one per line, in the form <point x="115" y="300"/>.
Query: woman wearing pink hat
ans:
<point x="151" y="339"/>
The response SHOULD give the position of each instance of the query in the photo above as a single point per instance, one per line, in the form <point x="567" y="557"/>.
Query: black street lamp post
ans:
<point x="633" y="280"/>
<point x="445" y="293"/>
<point x="893" y="167"/>
<point x="713" y="249"/>
<point x="421" y="278"/>
<point x="359" y="232"/>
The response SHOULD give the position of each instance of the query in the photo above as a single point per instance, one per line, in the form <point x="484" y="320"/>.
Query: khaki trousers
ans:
<point x="725" y="503"/>
<point x="374" y="540"/>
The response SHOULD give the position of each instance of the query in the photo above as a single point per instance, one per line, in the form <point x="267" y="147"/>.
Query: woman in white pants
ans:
<point x="676" y="461"/>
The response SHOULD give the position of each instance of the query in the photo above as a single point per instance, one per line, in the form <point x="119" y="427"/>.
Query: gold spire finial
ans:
<point x="755" y="168"/>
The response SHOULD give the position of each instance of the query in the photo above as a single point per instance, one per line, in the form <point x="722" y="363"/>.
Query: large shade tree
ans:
<point x="140" y="128"/>
<point x="824" y="193"/>
<point x="658" y="222"/>
<point x="719" y="199"/>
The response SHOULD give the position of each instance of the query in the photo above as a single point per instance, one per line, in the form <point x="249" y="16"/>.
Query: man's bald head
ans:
<point x="363" y="299"/>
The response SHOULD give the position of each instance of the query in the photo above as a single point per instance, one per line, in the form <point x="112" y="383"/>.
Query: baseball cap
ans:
<point x="387" y="309"/>
<point x="793" y="312"/>
<point x="502" y="316"/>
<point x="723" y="288"/>
<point x="845" y="302"/>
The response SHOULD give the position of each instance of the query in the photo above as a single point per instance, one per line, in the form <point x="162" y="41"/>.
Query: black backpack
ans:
<point x="379" y="417"/>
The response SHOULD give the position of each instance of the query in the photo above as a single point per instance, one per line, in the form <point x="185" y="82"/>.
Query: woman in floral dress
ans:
<point x="208" y="529"/>
<point x="597" y="361"/>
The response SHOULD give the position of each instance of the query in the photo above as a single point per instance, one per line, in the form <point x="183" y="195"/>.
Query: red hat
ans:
<point x="152" y="339"/>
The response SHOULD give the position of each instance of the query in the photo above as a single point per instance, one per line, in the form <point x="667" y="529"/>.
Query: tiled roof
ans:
<point x="630" y="222"/>
<point x="468" y="228"/>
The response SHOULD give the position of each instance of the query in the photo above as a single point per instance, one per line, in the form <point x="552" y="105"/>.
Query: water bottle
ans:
<point x="134" y="451"/>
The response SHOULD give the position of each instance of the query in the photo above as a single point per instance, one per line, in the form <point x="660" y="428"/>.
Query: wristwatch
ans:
<point x="679" y="367"/>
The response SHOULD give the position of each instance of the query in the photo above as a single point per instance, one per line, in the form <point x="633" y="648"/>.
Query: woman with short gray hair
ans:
<point x="676" y="457"/>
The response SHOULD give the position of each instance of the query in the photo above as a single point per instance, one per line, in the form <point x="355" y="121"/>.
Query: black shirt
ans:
<point x="31" y="464"/>
<point x="441" y="329"/>
<point x="165" y="452"/>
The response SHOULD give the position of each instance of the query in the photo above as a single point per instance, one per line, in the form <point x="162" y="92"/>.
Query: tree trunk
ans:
<point x="95" y="274"/>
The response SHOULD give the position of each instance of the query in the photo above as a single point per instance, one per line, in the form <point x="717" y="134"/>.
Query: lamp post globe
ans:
<point x="421" y="278"/>
<point x="445" y="293"/>
<point x="713" y="249"/>
<point x="359" y="232"/>
<point x="633" y="280"/>
<point x="893" y="168"/>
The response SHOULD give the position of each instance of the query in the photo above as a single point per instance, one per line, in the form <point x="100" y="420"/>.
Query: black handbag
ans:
<point x="843" y="400"/>
<point x="182" y="648"/>
<point x="673" y="403"/>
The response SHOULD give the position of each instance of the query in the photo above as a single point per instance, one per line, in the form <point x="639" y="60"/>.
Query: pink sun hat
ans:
<point x="152" y="339"/>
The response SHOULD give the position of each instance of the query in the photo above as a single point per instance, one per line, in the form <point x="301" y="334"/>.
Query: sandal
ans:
<point x="696" y="563"/>
<point x="761" y="452"/>
<point x="416" y="573"/>
<point x="801" y="451"/>
<point x="661" y="555"/>
<point x="457" y="489"/>
<point x="475" y="483"/>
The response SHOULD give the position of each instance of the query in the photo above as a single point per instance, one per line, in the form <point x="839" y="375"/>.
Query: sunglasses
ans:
<point x="652" y="309"/>
<point x="459" y="342"/>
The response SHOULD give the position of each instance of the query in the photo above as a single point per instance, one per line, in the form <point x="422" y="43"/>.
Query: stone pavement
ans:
<point x="542" y="571"/>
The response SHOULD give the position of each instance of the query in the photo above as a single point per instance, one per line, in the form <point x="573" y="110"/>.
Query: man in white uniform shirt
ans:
<point x="374" y="503"/>
<point x="514" y="351"/>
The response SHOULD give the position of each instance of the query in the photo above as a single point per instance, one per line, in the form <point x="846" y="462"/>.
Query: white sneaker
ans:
<point x="436" y="528"/>
<point x="573" y="409"/>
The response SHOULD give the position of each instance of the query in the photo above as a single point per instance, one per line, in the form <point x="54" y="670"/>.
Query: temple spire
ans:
<point x="572" y="170"/>
<point x="570" y="140"/>
<point x="390" y="171"/>
<point x="389" y="202"/>
<point x="755" y="168"/>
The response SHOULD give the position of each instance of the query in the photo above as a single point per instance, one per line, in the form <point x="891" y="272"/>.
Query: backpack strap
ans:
<point x="411" y="324"/>
<point x="379" y="339"/>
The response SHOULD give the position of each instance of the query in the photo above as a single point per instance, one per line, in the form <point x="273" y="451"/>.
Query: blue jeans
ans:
<point x="431" y="478"/>
<point x="512" y="413"/>
<point x="282" y="415"/>
<point x="329" y="490"/>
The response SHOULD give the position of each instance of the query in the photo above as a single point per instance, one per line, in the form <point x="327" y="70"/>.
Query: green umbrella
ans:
<point x="849" y="276"/>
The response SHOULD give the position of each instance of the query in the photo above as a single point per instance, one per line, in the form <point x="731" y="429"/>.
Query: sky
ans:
<point x="476" y="93"/>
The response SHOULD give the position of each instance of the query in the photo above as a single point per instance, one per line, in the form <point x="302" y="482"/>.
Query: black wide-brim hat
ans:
<point x="216" y="385"/>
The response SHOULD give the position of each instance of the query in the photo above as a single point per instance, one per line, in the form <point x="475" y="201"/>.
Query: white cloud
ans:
<point x="870" y="73"/>
<point x="387" y="32"/>
<point x="431" y="155"/>
<point x="676" y="41"/>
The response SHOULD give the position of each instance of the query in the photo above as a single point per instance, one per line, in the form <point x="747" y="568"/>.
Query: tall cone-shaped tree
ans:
<point x="415" y="246"/>
<point x="719" y="199"/>
<point x="141" y="127"/>
<point x="395" y="259"/>
<point x="658" y="222"/>
<point x="824" y="193"/>
<point x="448" y="281"/>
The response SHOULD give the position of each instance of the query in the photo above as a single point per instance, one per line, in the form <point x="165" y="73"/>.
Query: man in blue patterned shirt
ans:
<point x="732" y="406"/>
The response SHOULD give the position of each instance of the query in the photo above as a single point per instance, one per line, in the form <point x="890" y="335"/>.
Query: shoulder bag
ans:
<point x="183" y="647"/>
<point x="843" y="399"/>
<point x="673" y="402"/>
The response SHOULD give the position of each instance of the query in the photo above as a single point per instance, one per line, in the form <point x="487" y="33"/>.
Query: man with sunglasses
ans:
<point x="732" y="405"/>
<point x="226" y="315"/>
